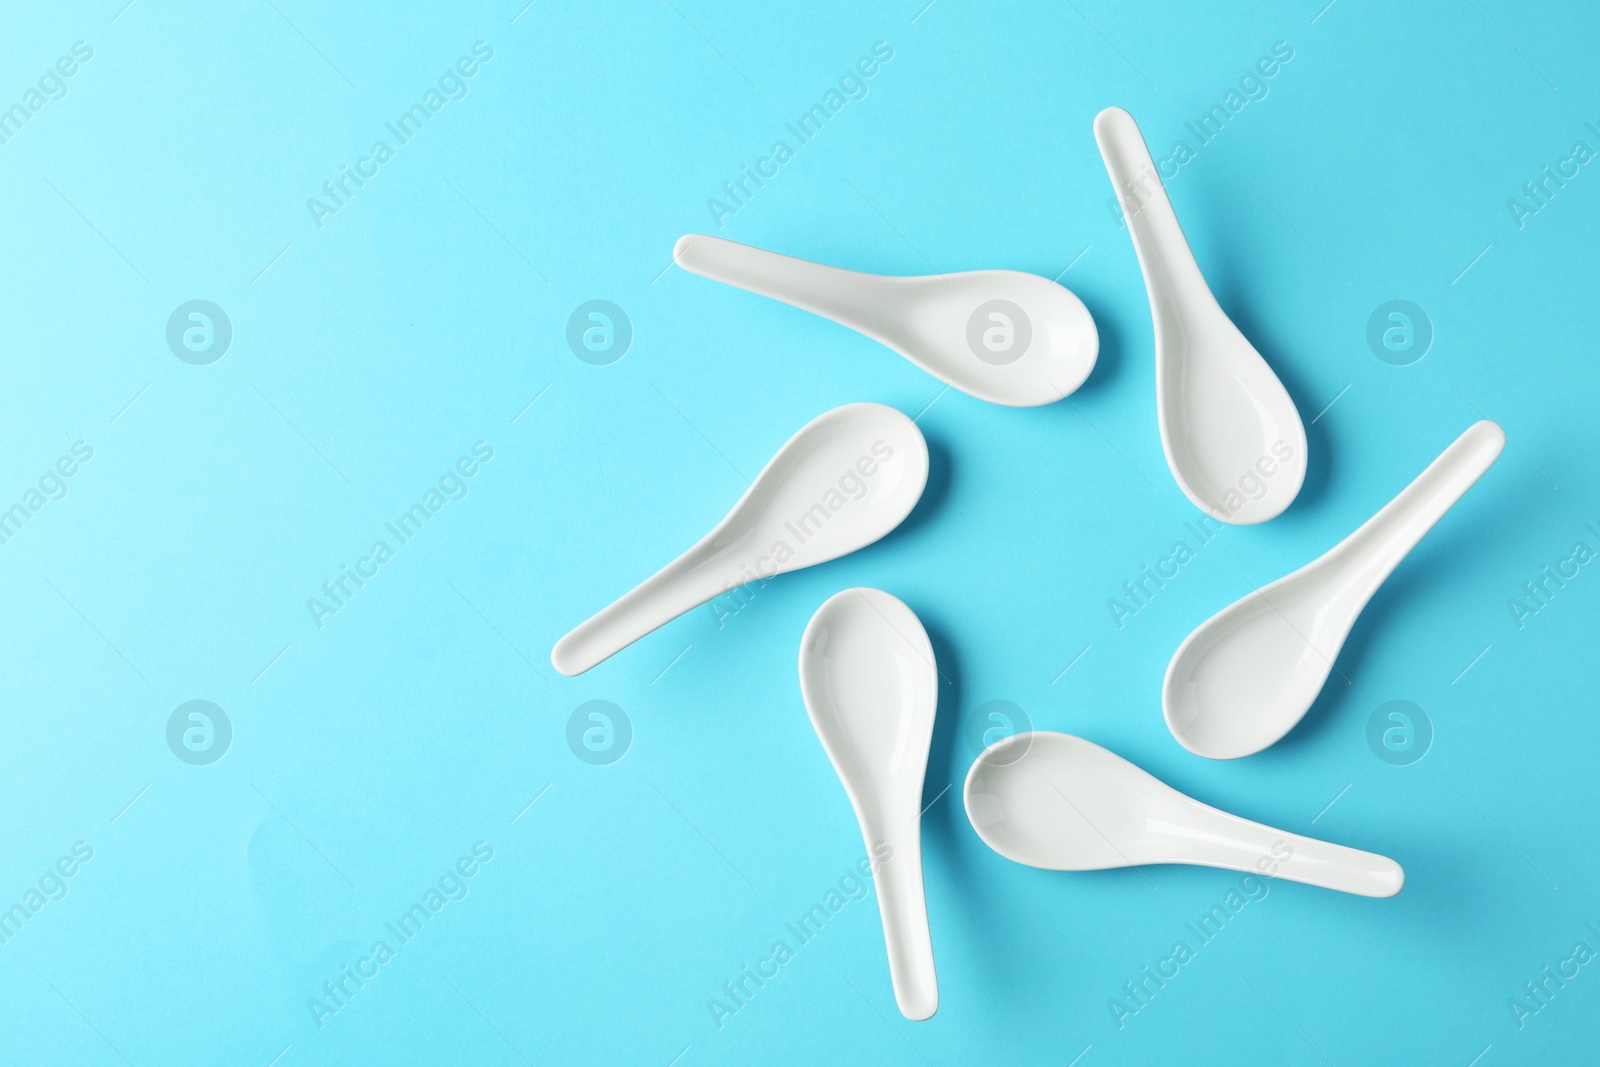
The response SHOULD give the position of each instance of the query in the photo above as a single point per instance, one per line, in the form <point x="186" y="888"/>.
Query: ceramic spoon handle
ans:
<point x="682" y="585"/>
<point x="848" y="297"/>
<point x="1381" y="542"/>
<point x="1349" y="870"/>
<point x="904" y="908"/>
<point x="1217" y="839"/>
<point x="1171" y="275"/>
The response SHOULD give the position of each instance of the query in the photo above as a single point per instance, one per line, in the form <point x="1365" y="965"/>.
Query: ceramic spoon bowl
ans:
<point x="1227" y="424"/>
<point x="1066" y="804"/>
<point x="1248" y="674"/>
<point x="871" y="688"/>
<point x="1000" y="335"/>
<point x="844" y="480"/>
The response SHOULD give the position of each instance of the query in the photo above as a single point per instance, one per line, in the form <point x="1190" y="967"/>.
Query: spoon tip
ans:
<point x="917" y="1005"/>
<point x="565" y="660"/>
<point x="1492" y="432"/>
<point x="1115" y="130"/>
<point x="683" y="246"/>
<point x="1111" y="116"/>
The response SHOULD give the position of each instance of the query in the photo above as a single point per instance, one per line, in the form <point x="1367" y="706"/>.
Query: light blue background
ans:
<point x="425" y="316"/>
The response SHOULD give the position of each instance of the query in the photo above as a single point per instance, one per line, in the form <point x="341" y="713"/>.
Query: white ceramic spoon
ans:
<point x="1066" y="804"/>
<point x="1000" y="335"/>
<point x="1243" y="679"/>
<point x="848" y="477"/>
<point x="1226" y="422"/>
<point x="871" y="688"/>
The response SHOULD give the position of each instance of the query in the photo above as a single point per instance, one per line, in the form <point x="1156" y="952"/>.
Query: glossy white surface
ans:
<point x="1227" y="424"/>
<point x="1066" y="804"/>
<point x="844" y="480"/>
<point x="871" y="688"/>
<point x="945" y="324"/>
<point x="1248" y="674"/>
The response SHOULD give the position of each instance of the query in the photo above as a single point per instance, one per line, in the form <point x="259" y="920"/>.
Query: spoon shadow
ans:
<point x="934" y="492"/>
<point x="1400" y="595"/>
<point x="942" y="750"/>
<point x="942" y="822"/>
<point x="1113" y="351"/>
<point x="1318" y="464"/>
<point x="1404" y="595"/>
<point x="1239" y="295"/>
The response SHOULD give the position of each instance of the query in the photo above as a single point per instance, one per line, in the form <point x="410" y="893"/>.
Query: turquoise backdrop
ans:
<point x="397" y="218"/>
